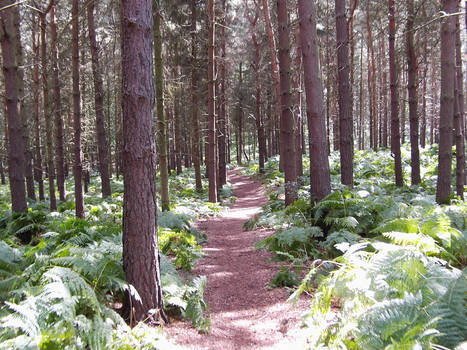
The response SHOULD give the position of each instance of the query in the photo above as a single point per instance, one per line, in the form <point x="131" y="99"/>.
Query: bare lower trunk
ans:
<point x="448" y="75"/>
<point x="77" y="162"/>
<point x="319" y="164"/>
<point x="102" y="147"/>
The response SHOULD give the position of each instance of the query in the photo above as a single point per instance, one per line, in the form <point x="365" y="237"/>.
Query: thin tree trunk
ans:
<point x="77" y="162"/>
<point x="412" y="93"/>
<point x="22" y="109"/>
<point x="448" y="76"/>
<point x="102" y="149"/>
<point x="459" y="117"/>
<point x="345" y="113"/>
<point x="194" y="101"/>
<point x="222" y="101"/>
<point x="395" y="130"/>
<point x="372" y="86"/>
<point x="211" y="149"/>
<point x="161" y="124"/>
<point x="298" y="107"/>
<point x="319" y="164"/>
<point x="10" y="73"/>
<point x="141" y="259"/>
<point x="177" y="131"/>
<point x="286" y="121"/>
<point x="47" y="116"/>
<point x="36" y="96"/>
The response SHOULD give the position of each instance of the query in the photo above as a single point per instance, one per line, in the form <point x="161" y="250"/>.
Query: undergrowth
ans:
<point x="62" y="280"/>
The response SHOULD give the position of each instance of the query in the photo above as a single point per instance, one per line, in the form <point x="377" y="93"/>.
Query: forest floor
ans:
<point x="243" y="313"/>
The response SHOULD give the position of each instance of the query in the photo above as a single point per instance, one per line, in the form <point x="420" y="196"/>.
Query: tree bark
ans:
<point x="448" y="76"/>
<point x="211" y="147"/>
<point x="345" y="113"/>
<point x="222" y="102"/>
<point x="36" y="96"/>
<point x="286" y="121"/>
<point x="47" y="116"/>
<point x="102" y="146"/>
<point x="10" y="73"/>
<point x="412" y="93"/>
<point x="194" y="101"/>
<point x="141" y="260"/>
<point x="318" y="147"/>
<point x="77" y="162"/>
<point x="395" y="129"/>
<point x="459" y="117"/>
<point x="161" y="125"/>
<point x="22" y="109"/>
<point x="372" y="83"/>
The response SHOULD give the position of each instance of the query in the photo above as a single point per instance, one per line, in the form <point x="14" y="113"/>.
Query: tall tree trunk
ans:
<point x="211" y="149"/>
<point x="10" y="73"/>
<point x="345" y="113"/>
<point x="177" y="131"/>
<point x="372" y="78"/>
<point x="287" y="122"/>
<point x="395" y="129"/>
<point x="161" y="125"/>
<point x="47" y="116"/>
<point x="298" y="107"/>
<point x="424" y="92"/>
<point x="412" y="92"/>
<point x="141" y="260"/>
<point x="102" y="146"/>
<point x="459" y="117"/>
<point x="194" y="101"/>
<point x="77" y="162"/>
<point x="59" y="157"/>
<point x="385" y="96"/>
<point x="448" y="76"/>
<point x="319" y="164"/>
<point x="22" y="109"/>
<point x="239" y="130"/>
<point x="275" y="69"/>
<point x="37" y="125"/>
<point x="222" y="102"/>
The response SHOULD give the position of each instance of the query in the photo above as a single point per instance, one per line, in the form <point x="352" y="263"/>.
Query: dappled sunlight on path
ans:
<point x="244" y="315"/>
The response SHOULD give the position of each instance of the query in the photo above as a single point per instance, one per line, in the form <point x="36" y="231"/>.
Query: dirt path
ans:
<point x="244" y="315"/>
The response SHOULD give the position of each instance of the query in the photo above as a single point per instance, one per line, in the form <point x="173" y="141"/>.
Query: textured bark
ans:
<point x="395" y="130"/>
<point x="424" y="92"/>
<point x="257" y="67"/>
<point x="194" y="101"/>
<point x="59" y="156"/>
<point x="286" y="121"/>
<point x="211" y="147"/>
<point x="412" y="93"/>
<point x="319" y="164"/>
<point x="47" y="115"/>
<point x="36" y="96"/>
<point x="77" y="162"/>
<point x="22" y="109"/>
<point x="448" y="75"/>
<point x="459" y="117"/>
<point x="239" y="129"/>
<point x="141" y="260"/>
<point x="299" y="147"/>
<point x="372" y="83"/>
<point x="10" y="73"/>
<point x="222" y="101"/>
<point x="345" y="113"/>
<point x="102" y="146"/>
<point x="384" y="92"/>
<point x="177" y="131"/>
<point x="161" y="131"/>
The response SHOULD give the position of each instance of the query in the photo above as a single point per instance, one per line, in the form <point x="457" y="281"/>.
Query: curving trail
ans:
<point x="244" y="315"/>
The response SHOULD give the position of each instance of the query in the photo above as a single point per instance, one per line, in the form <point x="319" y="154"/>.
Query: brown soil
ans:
<point x="244" y="315"/>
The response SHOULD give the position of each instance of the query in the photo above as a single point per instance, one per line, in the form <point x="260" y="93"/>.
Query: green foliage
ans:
<point x="394" y="298"/>
<point x="284" y="278"/>
<point x="181" y="246"/>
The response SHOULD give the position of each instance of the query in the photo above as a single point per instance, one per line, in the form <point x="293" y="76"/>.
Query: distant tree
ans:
<point x="102" y="146"/>
<point x="161" y="126"/>
<point x="222" y="120"/>
<point x="141" y="260"/>
<point x="77" y="161"/>
<point x="211" y="145"/>
<point x="286" y="121"/>
<point x="345" y="112"/>
<point x="412" y="93"/>
<point x="10" y="72"/>
<point x="395" y="129"/>
<point x="320" y="178"/>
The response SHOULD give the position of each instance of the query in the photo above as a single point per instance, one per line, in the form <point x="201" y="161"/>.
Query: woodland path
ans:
<point x="244" y="315"/>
